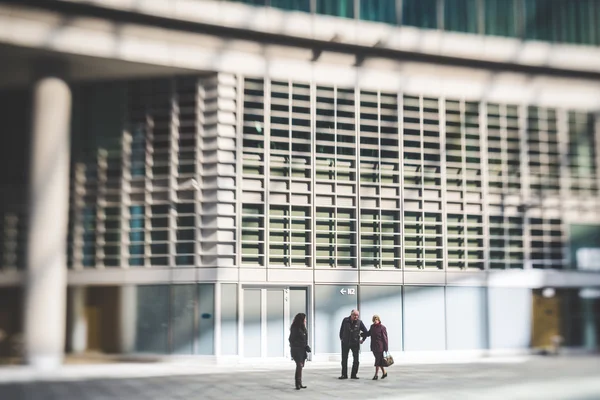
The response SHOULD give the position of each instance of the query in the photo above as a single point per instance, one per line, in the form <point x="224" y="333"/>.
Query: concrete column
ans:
<point x="79" y="326"/>
<point x="45" y="286"/>
<point x="128" y="318"/>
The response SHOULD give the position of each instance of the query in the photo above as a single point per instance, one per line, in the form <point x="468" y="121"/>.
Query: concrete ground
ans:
<point x="574" y="377"/>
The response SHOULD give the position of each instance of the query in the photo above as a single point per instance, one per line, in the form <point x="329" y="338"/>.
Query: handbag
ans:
<point x="388" y="360"/>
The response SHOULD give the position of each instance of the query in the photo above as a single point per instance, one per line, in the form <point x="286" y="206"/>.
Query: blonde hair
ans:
<point x="376" y="317"/>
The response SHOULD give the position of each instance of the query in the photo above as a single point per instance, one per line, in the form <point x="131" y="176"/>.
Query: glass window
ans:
<point x="206" y="320"/>
<point x="252" y="2"/>
<point x="460" y="15"/>
<point x="538" y="18"/>
<point x="152" y="319"/>
<point x="229" y="317"/>
<point x="295" y="5"/>
<point x="337" y="8"/>
<point x="380" y="10"/>
<point x="136" y="210"/>
<point x="420" y="13"/>
<point x="182" y="318"/>
<point x="500" y="17"/>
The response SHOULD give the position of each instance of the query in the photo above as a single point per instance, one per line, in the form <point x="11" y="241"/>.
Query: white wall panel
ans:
<point x="424" y="326"/>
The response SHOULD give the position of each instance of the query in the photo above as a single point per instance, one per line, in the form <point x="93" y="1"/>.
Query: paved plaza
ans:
<point x="531" y="378"/>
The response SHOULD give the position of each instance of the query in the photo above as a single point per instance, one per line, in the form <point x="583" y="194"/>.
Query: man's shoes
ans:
<point x="354" y="377"/>
<point x="343" y="377"/>
<point x="384" y="376"/>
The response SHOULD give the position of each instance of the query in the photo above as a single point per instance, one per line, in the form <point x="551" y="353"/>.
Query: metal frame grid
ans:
<point x="313" y="176"/>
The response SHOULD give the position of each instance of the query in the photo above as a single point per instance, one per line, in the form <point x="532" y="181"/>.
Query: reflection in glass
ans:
<point x="182" y="318"/>
<point x="206" y="319"/>
<point x="295" y="5"/>
<point x="500" y="17"/>
<point x="420" y="13"/>
<point x="460" y="15"/>
<point x="252" y="323"/>
<point x="336" y="8"/>
<point x="379" y="10"/>
<point x="229" y="314"/>
<point x="152" y="324"/>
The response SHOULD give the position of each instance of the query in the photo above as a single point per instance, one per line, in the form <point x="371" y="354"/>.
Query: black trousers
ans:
<point x="355" y="351"/>
<point x="298" y="376"/>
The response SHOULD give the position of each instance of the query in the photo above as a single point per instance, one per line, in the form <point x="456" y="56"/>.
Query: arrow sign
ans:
<point x="343" y="291"/>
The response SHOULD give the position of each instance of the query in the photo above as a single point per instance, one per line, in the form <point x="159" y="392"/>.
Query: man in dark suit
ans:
<point x="350" y="336"/>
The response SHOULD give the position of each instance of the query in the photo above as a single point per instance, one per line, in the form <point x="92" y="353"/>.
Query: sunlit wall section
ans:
<point x="253" y="175"/>
<point x="218" y="162"/>
<point x="464" y="208"/>
<point x="422" y="189"/>
<point x="289" y="175"/>
<point x="504" y="191"/>
<point x="379" y="181"/>
<point x="336" y="167"/>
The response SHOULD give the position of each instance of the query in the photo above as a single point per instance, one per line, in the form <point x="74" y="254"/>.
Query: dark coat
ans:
<point x="350" y="331"/>
<point x="298" y="343"/>
<point x="379" y="338"/>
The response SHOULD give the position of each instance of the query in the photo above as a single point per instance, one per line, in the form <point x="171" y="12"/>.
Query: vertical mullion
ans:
<point x="380" y="227"/>
<point x="290" y="173"/>
<point x="463" y="156"/>
<point x="313" y="207"/>
<point x="503" y="115"/>
<point x="263" y="323"/>
<point x="239" y="146"/>
<point x="525" y="189"/>
<point x="546" y="172"/>
<point x="101" y="166"/>
<point x="126" y="141"/>
<point x="443" y="183"/>
<point x="267" y="169"/>
<point x="483" y="162"/>
<point x="399" y="5"/>
<point x="596" y="136"/>
<point x="422" y="180"/>
<point x="520" y="18"/>
<point x="335" y="167"/>
<point x="240" y="325"/>
<point x="480" y="17"/>
<point x="147" y="191"/>
<point x="173" y="184"/>
<point x="440" y="6"/>
<point x="78" y="230"/>
<point x="565" y="173"/>
<point x="400" y="108"/>
<point x="358" y="208"/>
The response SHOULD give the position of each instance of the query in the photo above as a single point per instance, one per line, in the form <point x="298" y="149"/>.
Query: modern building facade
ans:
<point x="434" y="162"/>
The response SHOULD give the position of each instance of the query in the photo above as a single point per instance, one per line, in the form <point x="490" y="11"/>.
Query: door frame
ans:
<point x="286" y="315"/>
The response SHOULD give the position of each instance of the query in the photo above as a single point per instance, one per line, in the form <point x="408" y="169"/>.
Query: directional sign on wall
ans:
<point x="349" y="291"/>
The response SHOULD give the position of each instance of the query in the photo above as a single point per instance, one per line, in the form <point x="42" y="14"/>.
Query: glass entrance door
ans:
<point x="267" y="315"/>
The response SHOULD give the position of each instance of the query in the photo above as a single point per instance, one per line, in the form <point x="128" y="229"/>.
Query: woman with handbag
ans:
<point x="379" y="345"/>
<point x="299" y="346"/>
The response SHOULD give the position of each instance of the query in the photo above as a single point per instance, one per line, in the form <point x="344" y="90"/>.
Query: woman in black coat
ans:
<point x="299" y="346"/>
<point x="379" y="345"/>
